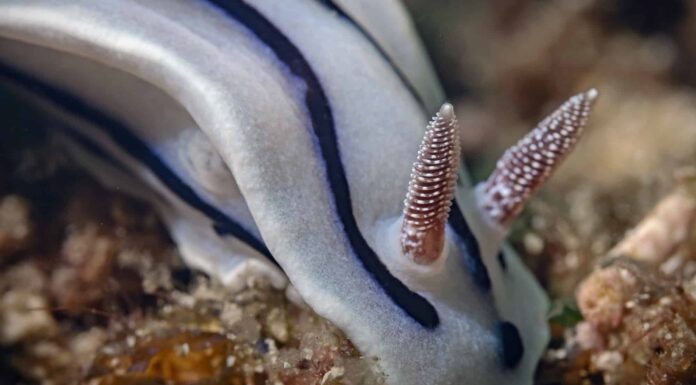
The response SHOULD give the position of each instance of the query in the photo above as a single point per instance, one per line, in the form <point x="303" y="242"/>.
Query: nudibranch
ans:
<point x="279" y="137"/>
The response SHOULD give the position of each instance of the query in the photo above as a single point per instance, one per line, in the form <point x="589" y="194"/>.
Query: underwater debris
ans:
<point x="15" y="225"/>
<point x="638" y="323"/>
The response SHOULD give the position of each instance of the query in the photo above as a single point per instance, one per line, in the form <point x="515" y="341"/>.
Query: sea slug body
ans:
<point x="279" y="137"/>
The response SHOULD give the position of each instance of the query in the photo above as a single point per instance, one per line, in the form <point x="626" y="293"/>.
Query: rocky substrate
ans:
<point x="92" y="291"/>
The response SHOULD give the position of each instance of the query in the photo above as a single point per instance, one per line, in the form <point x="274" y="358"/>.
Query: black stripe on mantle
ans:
<point x="136" y="148"/>
<point x="472" y="260"/>
<point x="472" y="256"/>
<point x="317" y="103"/>
<point x="404" y="79"/>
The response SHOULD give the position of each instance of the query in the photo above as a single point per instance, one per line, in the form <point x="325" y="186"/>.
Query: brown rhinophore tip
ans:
<point x="528" y="164"/>
<point x="431" y="189"/>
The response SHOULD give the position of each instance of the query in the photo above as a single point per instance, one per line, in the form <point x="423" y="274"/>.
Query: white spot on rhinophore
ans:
<point x="447" y="111"/>
<point x="592" y="94"/>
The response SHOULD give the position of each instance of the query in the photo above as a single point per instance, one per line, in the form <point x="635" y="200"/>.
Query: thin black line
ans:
<point x="125" y="139"/>
<point x="321" y="117"/>
<point x="474" y="263"/>
<point x="501" y="260"/>
<point x="472" y="256"/>
<point x="404" y="79"/>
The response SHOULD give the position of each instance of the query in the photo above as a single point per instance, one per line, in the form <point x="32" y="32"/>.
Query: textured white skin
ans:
<point x="204" y="71"/>
<point x="385" y="22"/>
